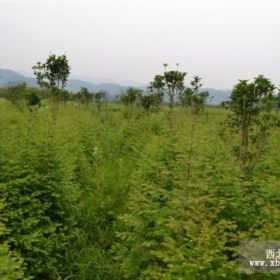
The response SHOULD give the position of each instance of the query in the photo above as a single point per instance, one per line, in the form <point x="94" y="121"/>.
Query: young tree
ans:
<point x="157" y="85"/>
<point x="193" y="97"/>
<point x="172" y="84"/>
<point x="84" y="97"/>
<point x="131" y="96"/>
<point x="53" y="75"/>
<point x="151" y="101"/>
<point x="99" y="98"/>
<point x="253" y="117"/>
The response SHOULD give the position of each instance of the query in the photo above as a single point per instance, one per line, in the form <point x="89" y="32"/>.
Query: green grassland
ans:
<point x="115" y="194"/>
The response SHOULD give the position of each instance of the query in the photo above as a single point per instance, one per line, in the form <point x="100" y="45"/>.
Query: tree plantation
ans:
<point x="157" y="185"/>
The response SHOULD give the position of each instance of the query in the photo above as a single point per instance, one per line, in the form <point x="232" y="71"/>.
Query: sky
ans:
<point x="129" y="40"/>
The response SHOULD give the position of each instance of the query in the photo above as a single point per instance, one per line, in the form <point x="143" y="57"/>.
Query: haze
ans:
<point x="220" y="40"/>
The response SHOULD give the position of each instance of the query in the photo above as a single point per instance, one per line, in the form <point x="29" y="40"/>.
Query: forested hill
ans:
<point x="10" y="78"/>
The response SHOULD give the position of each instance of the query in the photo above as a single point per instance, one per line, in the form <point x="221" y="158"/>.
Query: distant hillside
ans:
<point x="218" y="95"/>
<point x="10" y="78"/>
<point x="74" y="85"/>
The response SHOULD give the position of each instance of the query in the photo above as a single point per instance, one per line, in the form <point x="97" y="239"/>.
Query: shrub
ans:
<point x="38" y="197"/>
<point x="11" y="266"/>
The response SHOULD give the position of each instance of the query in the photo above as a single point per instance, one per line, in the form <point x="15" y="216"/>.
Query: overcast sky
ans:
<point x="220" y="40"/>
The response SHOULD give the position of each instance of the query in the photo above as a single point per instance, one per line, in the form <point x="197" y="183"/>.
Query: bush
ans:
<point x="38" y="197"/>
<point x="11" y="266"/>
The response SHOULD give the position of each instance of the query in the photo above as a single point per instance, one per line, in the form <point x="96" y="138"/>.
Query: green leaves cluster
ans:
<point x="37" y="211"/>
<point x="53" y="73"/>
<point x="193" y="97"/>
<point x="151" y="102"/>
<point x="172" y="228"/>
<point x="11" y="266"/>
<point x="170" y="83"/>
<point x="254" y="117"/>
<point x="100" y="196"/>
<point x="131" y="96"/>
<point x="84" y="96"/>
<point x="21" y="96"/>
<point x="39" y="198"/>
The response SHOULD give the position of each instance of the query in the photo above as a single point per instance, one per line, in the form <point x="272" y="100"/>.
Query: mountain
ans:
<point x="74" y="85"/>
<point x="217" y="96"/>
<point x="10" y="78"/>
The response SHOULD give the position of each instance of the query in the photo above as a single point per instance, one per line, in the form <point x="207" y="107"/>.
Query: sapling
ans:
<point x="172" y="84"/>
<point x="254" y="117"/>
<point x="193" y="97"/>
<point x="99" y="99"/>
<point x="131" y="98"/>
<point x="53" y="75"/>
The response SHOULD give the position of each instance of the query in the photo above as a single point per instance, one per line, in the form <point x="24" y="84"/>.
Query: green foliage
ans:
<point x="100" y="196"/>
<point x="131" y="96"/>
<point x="11" y="266"/>
<point x="151" y="102"/>
<point x="84" y="97"/>
<point x="193" y="97"/>
<point x="33" y="100"/>
<point x="99" y="99"/>
<point x="37" y="212"/>
<point x="167" y="231"/>
<point x="64" y="95"/>
<point x="39" y="198"/>
<point x="254" y="118"/>
<point x="16" y="95"/>
<point x="170" y="83"/>
<point x="21" y="97"/>
<point x="53" y="73"/>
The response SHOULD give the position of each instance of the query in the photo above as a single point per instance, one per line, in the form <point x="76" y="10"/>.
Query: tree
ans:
<point x="131" y="96"/>
<point x="193" y="97"/>
<point x="172" y="84"/>
<point x="53" y="74"/>
<point x="99" y="98"/>
<point x="84" y="97"/>
<point x="151" y="101"/>
<point x="157" y="85"/>
<point x="254" y="117"/>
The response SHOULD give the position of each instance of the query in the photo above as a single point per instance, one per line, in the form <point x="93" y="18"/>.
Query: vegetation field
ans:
<point x="114" y="193"/>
